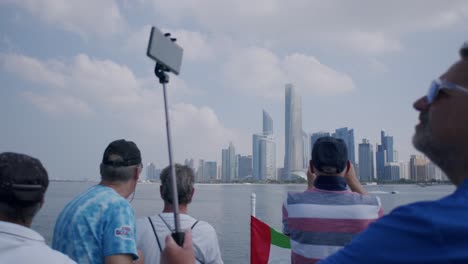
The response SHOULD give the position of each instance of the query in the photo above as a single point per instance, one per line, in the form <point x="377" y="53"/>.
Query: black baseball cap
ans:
<point x="330" y="152"/>
<point x="121" y="153"/>
<point x="23" y="180"/>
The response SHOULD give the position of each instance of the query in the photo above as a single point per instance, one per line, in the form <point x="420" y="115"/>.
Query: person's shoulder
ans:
<point x="59" y="257"/>
<point x="416" y="214"/>
<point x="204" y="228"/>
<point x="53" y="256"/>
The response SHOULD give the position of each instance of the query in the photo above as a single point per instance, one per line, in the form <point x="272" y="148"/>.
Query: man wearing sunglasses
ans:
<point x="435" y="231"/>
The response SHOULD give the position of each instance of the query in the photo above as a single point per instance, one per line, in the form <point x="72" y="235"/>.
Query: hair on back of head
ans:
<point x="185" y="180"/>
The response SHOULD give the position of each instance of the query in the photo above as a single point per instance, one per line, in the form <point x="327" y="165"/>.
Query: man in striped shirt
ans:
<point x="325" y="217"/>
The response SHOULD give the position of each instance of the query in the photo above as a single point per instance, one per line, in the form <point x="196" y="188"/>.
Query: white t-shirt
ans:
<point x="19" y="244"/>
<point x="204" y="238"/>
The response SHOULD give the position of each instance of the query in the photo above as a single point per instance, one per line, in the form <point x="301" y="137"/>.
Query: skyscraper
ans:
<point x="209" y="171"/>
<point x="267" y="123"/>
<point x="151" y="174"/>
<point x="294" y="153"/>
<point x="348" y="136"/>
<point x="264" y="152"/>
<point x="245" y="166"/>
<point x="366" y="161"/>
<point x="228" y="163"/>
<point x="380" y="158"/>
<point x="387" y="142"/>
<point x="392" y="171"/>
<point x="200" y="171"/>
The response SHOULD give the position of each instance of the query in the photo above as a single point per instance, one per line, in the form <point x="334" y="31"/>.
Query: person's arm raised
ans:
<point x="352" y="180"/>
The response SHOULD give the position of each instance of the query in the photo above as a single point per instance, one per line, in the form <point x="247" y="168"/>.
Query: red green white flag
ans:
<point x="268" y="245"/>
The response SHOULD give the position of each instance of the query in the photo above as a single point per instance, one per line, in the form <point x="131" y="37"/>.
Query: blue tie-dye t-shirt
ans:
<point x="96" y="224"/>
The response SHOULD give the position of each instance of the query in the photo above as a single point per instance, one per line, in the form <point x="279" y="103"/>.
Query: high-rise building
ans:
<point x="366" y="161"/>
<point x="315" y="136"/>
<point x="387" y="142"/>
<point x="267" y="123"/>
<point x="264" y="151"/>
<point x="380" y="159"/>
<point x="391" y="172"/>
<point x="245" y="166"/>
<point x="404" y="170"/>
<point x="264" y="157"/>
<point x="293" y="156"/>
<point x="200" y="175"/>
<point x="151" y="172"/>
<point x="418" y="168"/>
<point x="347" y="135"/>
<point x="229" y="163"/>
<point x="209" y="171"/>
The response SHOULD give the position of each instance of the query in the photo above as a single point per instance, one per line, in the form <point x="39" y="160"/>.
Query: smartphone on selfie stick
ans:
<point x="168" y="56"/>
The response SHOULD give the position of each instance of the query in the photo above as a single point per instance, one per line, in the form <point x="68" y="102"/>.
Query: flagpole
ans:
<point x="252" y="203"/>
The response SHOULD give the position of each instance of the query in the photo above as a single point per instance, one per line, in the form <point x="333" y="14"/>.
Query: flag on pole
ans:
<point x="268" y="245"/>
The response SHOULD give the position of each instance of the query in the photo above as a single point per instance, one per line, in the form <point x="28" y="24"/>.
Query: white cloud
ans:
<point x="32" y="70"/>
<point x="196" y="45"/>
<point x="90" y="86"/>
<point x="381" y="24"/>
<point x="59" y="105"/>
<point x="369" y="42"/>
<point x="86" y="17"/>
<point x="258" y="71"/>
<point x="313" y="77"/>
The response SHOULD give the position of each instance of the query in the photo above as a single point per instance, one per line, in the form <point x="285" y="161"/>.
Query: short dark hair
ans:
<point x="119" y="161"/>
<point x="23" y="183"/>
<point x="185" y="181"/>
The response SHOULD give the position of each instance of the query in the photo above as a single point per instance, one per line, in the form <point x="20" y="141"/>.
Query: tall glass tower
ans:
<point x="264" y="151"/>
<point x="347" y="135"/>
<point x="294" y="144"/>
<point x="366" y="161"/>
<point x="229" y="163"/>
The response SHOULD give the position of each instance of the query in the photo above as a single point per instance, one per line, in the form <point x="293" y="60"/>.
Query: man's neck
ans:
<point x="17" y="221"/>
<point x="168" y="208"/>
<point x="123" y="189"/>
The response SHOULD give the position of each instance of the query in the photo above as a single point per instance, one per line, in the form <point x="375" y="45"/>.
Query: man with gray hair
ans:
<point x="98" y="226"/>
<point x="152" y="231"/>
<point x="23" y="183"/>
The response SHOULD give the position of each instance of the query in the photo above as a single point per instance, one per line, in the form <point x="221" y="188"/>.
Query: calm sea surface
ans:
<point x="226" y="207"/>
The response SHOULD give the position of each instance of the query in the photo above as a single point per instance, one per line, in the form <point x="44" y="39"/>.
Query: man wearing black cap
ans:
<point x="98" y="226"/>
<point x="23" y="183"/>
<point x="327" y="215"/>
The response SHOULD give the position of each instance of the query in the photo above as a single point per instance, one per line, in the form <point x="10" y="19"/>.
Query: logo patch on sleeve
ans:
<point x="124" y="232"/>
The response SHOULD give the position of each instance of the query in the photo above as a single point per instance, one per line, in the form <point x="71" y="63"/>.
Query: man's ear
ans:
<point x="311" y="166"/>
<point x="348" y="166"/>
<point x="138" y="170"/>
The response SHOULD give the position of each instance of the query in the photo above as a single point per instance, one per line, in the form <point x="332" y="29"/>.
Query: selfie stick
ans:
<point x="178" y="235"/>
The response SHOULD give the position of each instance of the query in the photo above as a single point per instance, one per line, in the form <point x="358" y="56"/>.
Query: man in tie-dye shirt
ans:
<point x="98" y="226"/>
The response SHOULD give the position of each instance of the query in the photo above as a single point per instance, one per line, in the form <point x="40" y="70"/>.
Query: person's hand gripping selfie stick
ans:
<point x="174" y="254"/>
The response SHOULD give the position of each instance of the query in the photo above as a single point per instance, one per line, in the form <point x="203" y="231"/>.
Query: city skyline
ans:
<point x="75" y="75"/>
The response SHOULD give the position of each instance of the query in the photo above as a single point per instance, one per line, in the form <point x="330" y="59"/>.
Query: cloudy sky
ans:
<point x="75" y="76"/>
